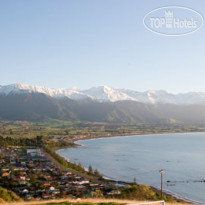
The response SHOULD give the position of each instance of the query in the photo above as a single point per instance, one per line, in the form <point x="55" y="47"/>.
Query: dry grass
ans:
<point x="84" y="200"/>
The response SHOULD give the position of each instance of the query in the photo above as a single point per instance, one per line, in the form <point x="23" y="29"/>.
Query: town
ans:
<point x="32" y="176"/>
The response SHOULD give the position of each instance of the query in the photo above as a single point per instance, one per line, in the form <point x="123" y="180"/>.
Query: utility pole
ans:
<point x="161" y="172"/>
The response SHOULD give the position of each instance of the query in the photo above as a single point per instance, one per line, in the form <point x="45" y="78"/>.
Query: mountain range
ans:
<point x="108" y="94"/>
<point x="102" y="104"/>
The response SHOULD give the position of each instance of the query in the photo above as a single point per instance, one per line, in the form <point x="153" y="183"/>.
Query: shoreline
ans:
<point x="107" y="178"/>
<point x="76" y="145"/>
<point x="128" y="135"/>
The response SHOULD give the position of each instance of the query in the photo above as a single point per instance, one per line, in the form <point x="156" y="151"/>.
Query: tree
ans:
<point x="39" y="141"/>
<point x="97" y="173"/>
<point x="90" y="170"/>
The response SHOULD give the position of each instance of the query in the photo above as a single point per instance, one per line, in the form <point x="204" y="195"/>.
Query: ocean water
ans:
<point x="142" y="156"/>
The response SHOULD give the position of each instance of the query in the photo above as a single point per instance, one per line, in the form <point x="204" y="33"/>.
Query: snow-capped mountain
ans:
<point x="105" y="93"/>
<point x="52" y="92"/>
<point x="108" y="94"/>
<point x="152" y="96"/>
<point x="162" y="96"/>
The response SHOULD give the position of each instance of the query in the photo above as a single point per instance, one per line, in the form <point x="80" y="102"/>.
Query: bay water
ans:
<point x="182" y="156"/>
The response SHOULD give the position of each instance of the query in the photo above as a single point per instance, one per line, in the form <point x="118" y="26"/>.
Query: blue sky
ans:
<point x="86" y="43"/>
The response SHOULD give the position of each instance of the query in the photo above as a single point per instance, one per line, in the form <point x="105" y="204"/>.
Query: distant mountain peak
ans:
<point x="105" y="93"/>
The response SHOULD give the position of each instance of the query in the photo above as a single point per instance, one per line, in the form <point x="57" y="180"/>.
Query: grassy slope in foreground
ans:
<point x="8" y="196"/>
<point x="87" y="202"/>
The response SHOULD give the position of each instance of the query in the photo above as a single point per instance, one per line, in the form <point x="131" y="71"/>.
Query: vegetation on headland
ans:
<point x="143" y="192"/>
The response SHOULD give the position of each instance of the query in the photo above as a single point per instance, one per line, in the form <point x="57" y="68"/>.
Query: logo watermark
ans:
<point x="173" y="21"/>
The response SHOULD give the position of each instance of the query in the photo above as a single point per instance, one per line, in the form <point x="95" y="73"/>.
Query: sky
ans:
<point x="87" y="43"/>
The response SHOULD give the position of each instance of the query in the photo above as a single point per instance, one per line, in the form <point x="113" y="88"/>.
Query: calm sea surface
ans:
<point x="142" y="156"/>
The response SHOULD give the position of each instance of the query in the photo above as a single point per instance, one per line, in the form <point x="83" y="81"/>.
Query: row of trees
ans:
<point x="94" y="172"/>
<point x="62" y="161"/>
<point x="71" y="166"/>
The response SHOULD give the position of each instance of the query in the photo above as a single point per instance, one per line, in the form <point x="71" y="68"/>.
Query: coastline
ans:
<point x="128" y="134"/>
<point x="166" y="192"/>
<point x="76" y="145"/>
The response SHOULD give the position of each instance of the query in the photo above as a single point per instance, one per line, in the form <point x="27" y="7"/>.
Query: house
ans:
<point x="33" y="152"/>
<point x="52" y="188"/>
<point x="81" y="182"/>
<point x="46" y="196"/>
<point x="49" y="178"/>
<point x="114" y="192"/>
<point x="5" y="174"/>
<point x="46" y="184"/>
<point x="25" y="191"/>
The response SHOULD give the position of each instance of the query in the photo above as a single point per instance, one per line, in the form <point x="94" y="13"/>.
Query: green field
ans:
<point x="86" y="129"/>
